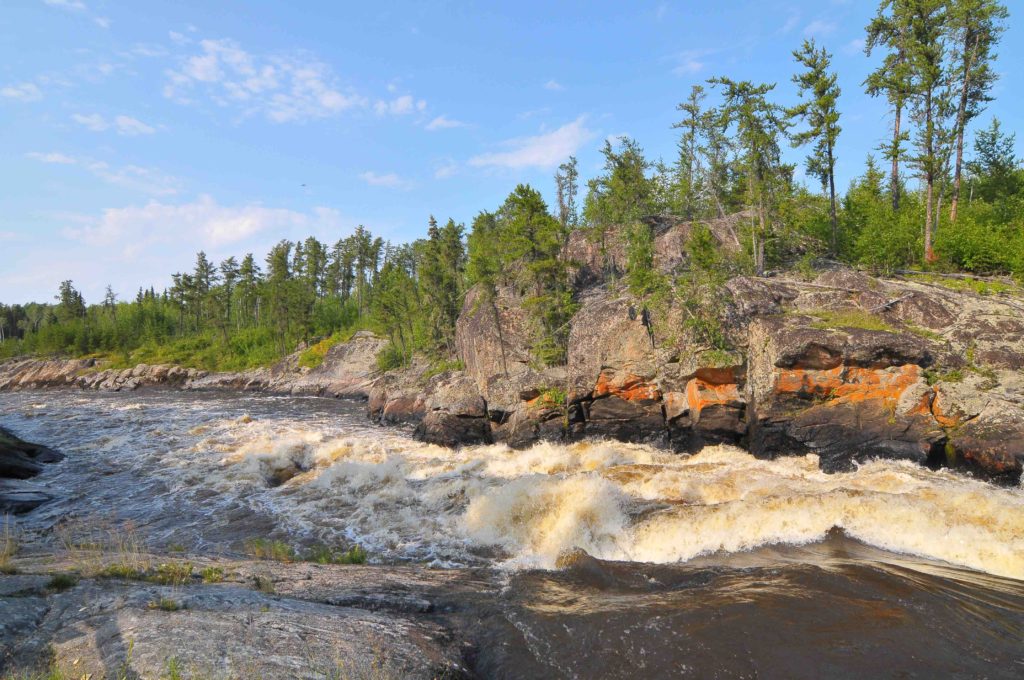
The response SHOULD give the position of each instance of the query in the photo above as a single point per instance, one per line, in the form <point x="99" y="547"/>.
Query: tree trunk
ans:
<point x="961" y="124"/>
<point x="759" y="241"/>
<point x="832" y="202"/>
<point x="929" y="254"/>
<point x="895" y="180"/>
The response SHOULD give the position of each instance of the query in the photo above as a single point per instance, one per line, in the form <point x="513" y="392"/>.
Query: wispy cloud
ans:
<point x="445" y="169"/>
<point x="52" y="157"/>
<point x="444" y="123"/>
<point x="854" y="47"/>
<point x="132" y="177"/>
<point x="540" y="151"/>
<point x="690" y="62"/>
<point x="819" y="27"/>
<point x="73" y="5"/>
<point x="390" y="180"/>
<point x="284" y="89"/>
<point x="204" y="223"/>
<point x="124" y="125"/>
<point x="130" y="127"/>
<point x="22" y="92"/>
<point x="400" y="106"/>
<point x="791" y="23"/>
<point x="554" y="86"/>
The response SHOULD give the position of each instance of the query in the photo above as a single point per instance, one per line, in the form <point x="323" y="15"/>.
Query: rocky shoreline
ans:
<point x="846" y="366"/>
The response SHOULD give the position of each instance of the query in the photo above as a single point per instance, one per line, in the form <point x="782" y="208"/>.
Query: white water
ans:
<point x="623" y="502"/>
<point x="489" y="504"/>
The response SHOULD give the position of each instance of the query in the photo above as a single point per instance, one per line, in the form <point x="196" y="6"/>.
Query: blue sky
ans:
<point x="134" y="134"/>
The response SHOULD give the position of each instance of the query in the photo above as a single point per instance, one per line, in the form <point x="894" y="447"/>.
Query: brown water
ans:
<point x="713" y="565"/>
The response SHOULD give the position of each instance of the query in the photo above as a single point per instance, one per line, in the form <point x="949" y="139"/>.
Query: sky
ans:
<point x="134" y="134"/>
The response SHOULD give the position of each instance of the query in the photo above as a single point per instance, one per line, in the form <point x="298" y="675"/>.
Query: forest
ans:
<point x="926" y="200"/>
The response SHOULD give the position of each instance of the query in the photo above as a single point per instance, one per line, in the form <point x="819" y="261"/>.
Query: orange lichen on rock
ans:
<point x="846" y="384"/>
<point x="628" y="387"/>
<point x="701" y="394"/>
<point x="946" y="415"/>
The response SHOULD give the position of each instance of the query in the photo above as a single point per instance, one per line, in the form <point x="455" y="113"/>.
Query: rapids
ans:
<point x="207" y="471"/>
<point x="711" y="565"/>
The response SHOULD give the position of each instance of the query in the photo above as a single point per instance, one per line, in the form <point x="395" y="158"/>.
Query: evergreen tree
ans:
<point x="688" y="167"/>
<point x="890" y="29"/>
<point x="926" y="47"/>
<point x="820" y="112"/>
<point x="976" y="26"/>
<point x="758" y="124"/>
<point x="567" y="187"/>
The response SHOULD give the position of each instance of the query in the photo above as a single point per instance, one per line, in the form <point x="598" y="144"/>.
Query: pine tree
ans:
<point x="688" y="164"/>
<point x="890" y="29"/>
<point x="759" y="124"/>
<point x="821" y="114"/>
<point x="926" y="48"/>
<point x="567" y="187"/>
<point x="976" y="26"/>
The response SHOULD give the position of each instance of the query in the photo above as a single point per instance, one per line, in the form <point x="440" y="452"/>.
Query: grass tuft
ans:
<point x="266" y="549"/>
<point x="322" y="554"/>
<point x="165" y="604"/>
<point x="212" y="575"/>
<point x="850" y="318"/>
<point x="61" y="582"/>
<point x="8" y="545"/>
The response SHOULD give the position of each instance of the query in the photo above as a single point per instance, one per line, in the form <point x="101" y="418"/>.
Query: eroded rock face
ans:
<point x="21" y="460"/>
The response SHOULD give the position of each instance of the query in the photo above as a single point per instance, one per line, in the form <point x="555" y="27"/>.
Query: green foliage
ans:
<point x="390" y="358"/>
<point x="641" y="276"/>
<point x="165" y="604"/>
<point x="212" y="574"/>
<point x="171" y="573"/>
<point x="9" y="540"/>
<point x="438" y="367"/>
<point x="850" y="318"/>
<point x="266" y="549"/>
<point x="61" y="582"/>
<point x="313" y="356"/>
<point x="322" y="554"/>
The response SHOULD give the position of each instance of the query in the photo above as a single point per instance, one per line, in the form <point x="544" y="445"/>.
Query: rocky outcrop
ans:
<point x="21" y="460"/>
<point x="348" y="371"/>
<point x="847" y="366"/>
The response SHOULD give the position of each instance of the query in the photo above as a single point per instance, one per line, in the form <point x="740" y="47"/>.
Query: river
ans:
<point x="711" y="564"/>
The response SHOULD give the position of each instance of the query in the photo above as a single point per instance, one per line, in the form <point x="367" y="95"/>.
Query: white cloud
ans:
<point x="391" y="180"/>
<point x="819" y="27"/>
<point x="23" y="92"/>
<point x="125" y="125"/>
<point x="447" y="168"/>
<point x="540" y="151"/>
<point x="130" y="127"/>
<point x="52" y="157"/>
<point x="791" y="23"/>
<point x="201" y="224"/>
<point x="690" y="62"/>
<point x="93" y="121"/>
<point x="444" y="123"/>
<point x="399" y="106"/>
<point x="132" y="177"/>
<point x="178" y="38"/>
<point x="854" y="47"/>
<point x="74" y="5"/>
<point x="553" y="85"/>
<point x="102" y="22"/>
<point x="282" y="88"/>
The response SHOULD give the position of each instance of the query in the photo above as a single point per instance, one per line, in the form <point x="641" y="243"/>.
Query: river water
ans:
<point x="711" y="564"/>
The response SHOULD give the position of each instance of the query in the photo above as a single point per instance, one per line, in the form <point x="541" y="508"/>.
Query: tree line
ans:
<point x="965" y="211"/>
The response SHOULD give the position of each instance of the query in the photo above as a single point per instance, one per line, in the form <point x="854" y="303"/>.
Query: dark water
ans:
<point x="712" y="566"/>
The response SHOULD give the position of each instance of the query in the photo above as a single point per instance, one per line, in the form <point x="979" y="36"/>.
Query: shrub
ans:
<point x="172" y="573"/>
<point x="165" y="604"/>
<point x="322" y="554"/>
<point x="61" y="582"/>
<point x="850" y="318"/>
<point x="266" y="549"/>
<point x="390" y="358"/>
<point x="212" y="574"/>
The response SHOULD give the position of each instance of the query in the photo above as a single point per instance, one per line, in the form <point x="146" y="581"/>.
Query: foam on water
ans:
<point x="618" y="501"/>
<point x="329" y="477"/>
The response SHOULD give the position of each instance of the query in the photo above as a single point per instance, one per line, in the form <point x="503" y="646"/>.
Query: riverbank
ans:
<point x="846" y="366"/>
